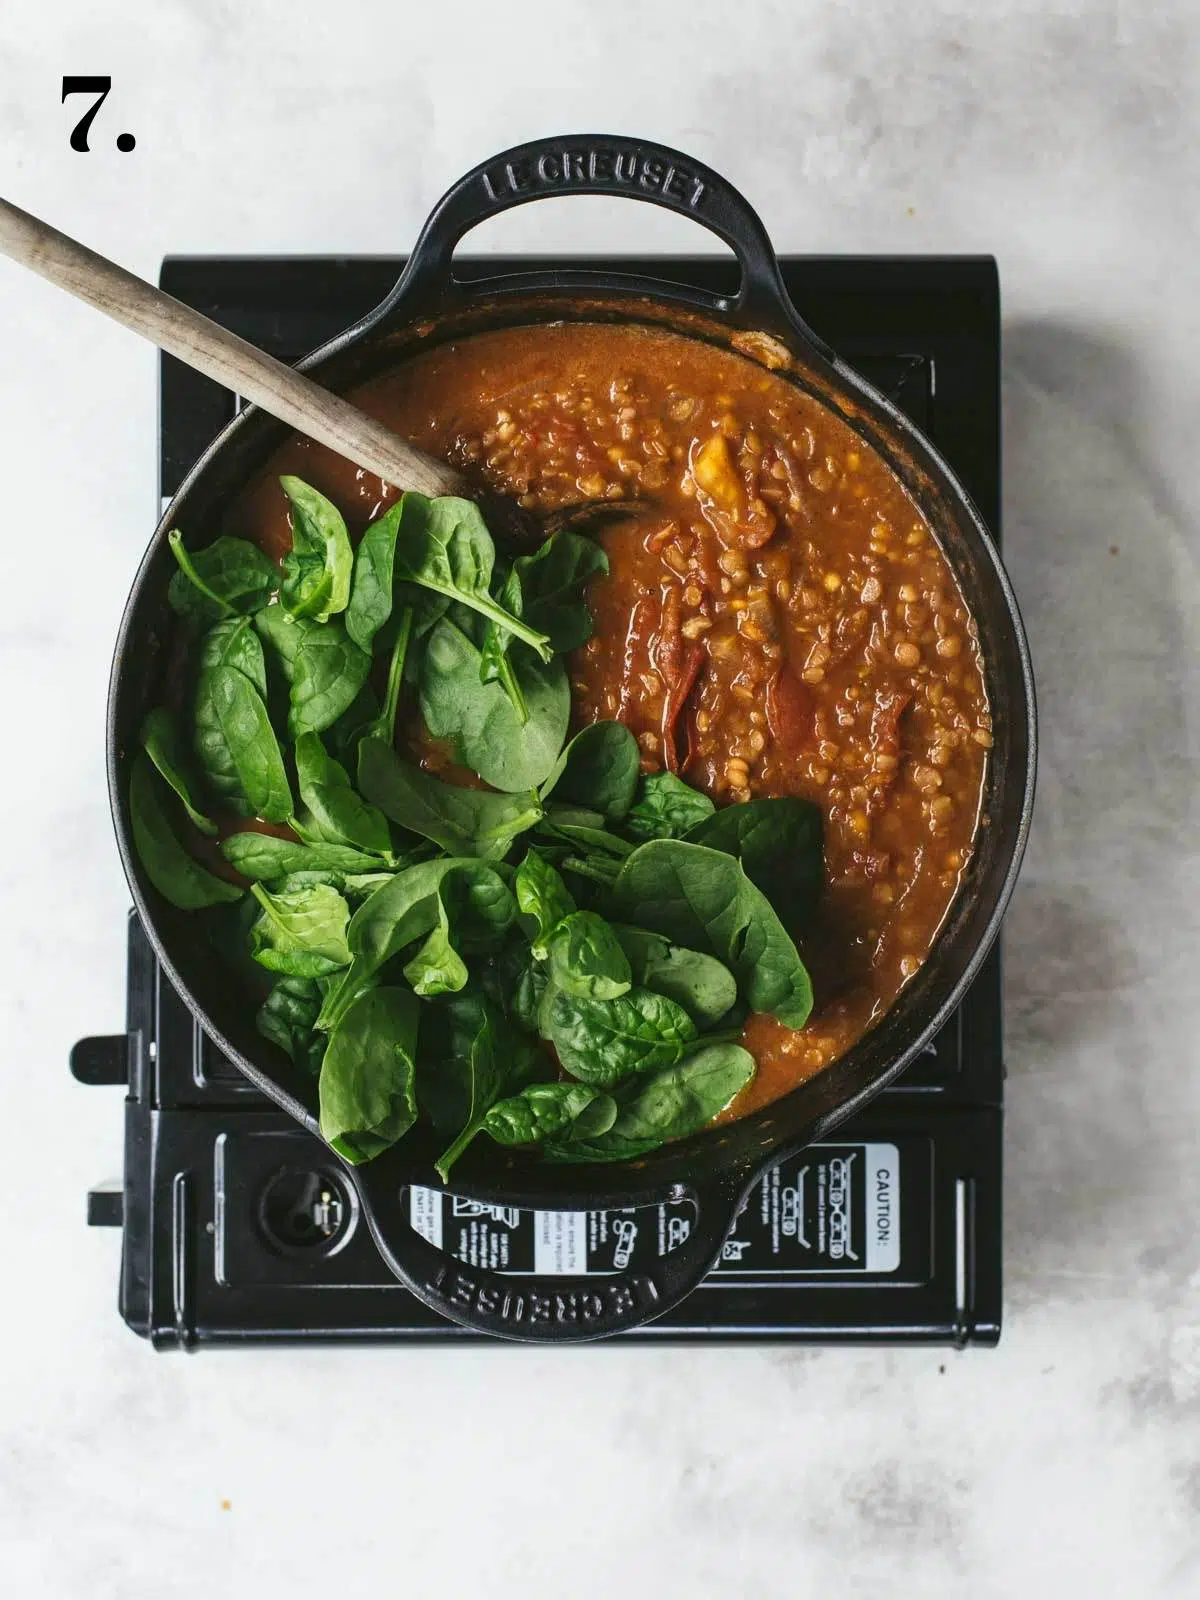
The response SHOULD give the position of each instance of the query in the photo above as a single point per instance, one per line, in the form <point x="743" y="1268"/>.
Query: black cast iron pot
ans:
<point x="713" y="1169"/>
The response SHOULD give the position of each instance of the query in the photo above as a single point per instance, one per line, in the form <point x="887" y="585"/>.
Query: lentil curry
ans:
<point x="778" y="618"/>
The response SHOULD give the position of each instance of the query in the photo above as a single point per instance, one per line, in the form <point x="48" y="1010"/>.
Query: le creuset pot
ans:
<point x="715" y="1169"/>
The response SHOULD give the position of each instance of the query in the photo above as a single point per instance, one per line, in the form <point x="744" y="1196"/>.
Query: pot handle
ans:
<point x="544" y="1308"/>
<point x="637" y="169"/>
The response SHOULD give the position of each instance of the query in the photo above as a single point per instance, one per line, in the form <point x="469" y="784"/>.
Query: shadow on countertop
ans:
<point x="1101" y="1014"/>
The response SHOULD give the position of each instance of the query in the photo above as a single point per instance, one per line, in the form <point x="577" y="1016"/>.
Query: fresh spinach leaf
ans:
<point x="702" y="985"/>
<point x="552" y="583"/>
<point x="480" y="905"/>
<point x="337" y="813"/>
<point x="371" y="589"/>
<point x="599" y="768"/>
<point x="490" y="1068"/>
<point x="162" y="743"/>
<point x="318" y="568"/>
<point x="443" y="545"/>
<point x="669" y="1104"/>
<point x="479" y="718"/>
<point x="495" y="664"/>
<point x="396" y="915"/>
<point x="227" y="577"/>
<point x="383" y="726"/>
<point x="302" y="933"/>
<point x="699" y="898"/>
<point x="234" y="743"/>
<point x="560" y="1111"/>
<point x="266" y="857"/>
<point x="779" y="843"/>
<point x="172" y="871"/>
<point x="602" y="1042"/>
<point x="287" y="1017"/>
<point x="590" y="841"/>
<point x="437" y="967"/>
<point x="473" y="822"/>
<point x="542" y="895"/>
<point x="324" y="668"/>
<point x="367" y="1091"/>
<point x="586" y="958"/>
<point x="666" y="808"/>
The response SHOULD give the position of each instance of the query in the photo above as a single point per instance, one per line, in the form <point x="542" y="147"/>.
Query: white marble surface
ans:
<point x="1064" y="139"/>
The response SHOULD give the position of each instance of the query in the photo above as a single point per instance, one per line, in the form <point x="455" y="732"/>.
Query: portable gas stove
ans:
<point x="238" y="1227"/>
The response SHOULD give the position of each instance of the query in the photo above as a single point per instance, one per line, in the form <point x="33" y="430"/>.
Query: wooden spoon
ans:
<point x="287" y="394"/>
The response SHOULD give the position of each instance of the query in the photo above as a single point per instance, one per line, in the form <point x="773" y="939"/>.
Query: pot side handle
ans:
<point x="636" y="169"/>
<point x="548" y="1308"/>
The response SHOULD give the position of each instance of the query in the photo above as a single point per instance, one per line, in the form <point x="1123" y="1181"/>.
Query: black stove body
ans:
<point x="239" y="1227"/>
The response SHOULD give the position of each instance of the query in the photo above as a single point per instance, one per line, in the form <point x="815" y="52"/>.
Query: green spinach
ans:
<point x="666" y="808"/>
<point x="586" y="958"/>
<point x="337" y="813"/>
<point x="599" y="768"/>
<point x="465" y="821"/>
<point x="699" y="897"/>
<point x="162" y="743"/>
<point x="602" y="1042"/>
<point x="172" y="871"/>
<point x="318" y="568"/>
<point x="266" y="857"/>
<point x="367" y="1090"/>
<point x="551" y="1111"/>
<point x="443" y="545"/>
<point x="702" y="985"/>
<point x="302" y="932"/>
<point x="227" y="577"/>
<point x="234" y="743"/>
<point x="669" y="1104"/>
<point x="287" y="1017"/>
<point x="372" y="586"/>
<point x="542" y="895"/>
<point x="479" y="718"/>
<point x="779" y="843"/>
<point x="325" y="669"/>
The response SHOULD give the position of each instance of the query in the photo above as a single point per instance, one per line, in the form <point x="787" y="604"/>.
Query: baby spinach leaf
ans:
<point x="437" y="967"/>
<point x="233" y="643"/>
<point x="479" y="718"/>
<point x="287" y="1016"/>
<point x="702" y="985"/>
<point x="586" y="958"/>
<point x="495" y="665"/>
<point x="480" y="905"/>
<point x="396" y="915"/>
<point x="266" y="857"/>
<point x="699" y="898"/>
<point x="602" y="1042"/>
<point x="666" y="808"/>
<point x="367" y="1093"/>
<point x="542" y="1111"/>
<point x="489" y="1071"/>
<point x="227" y="577"/>
<point x="337" y="813"/>
<point x="384" y="725"/>
<point x="465" y="821"/>
<point x="318" y="568"/>
<point x="600" y="768"/>
<point x="301" y="933"/>
<point x="371" y="588"/>
<point x="234" y="743"/>
<point x="669" y="1104"/>
<point x="175" y="875"/>
<point x="325" y="670"/>
<point x="444" y="545"/>
<point x="162" y="743"/>
<point x="358" y="886"/>
<point x="552" y="583"/>
<point x="542" y="895"/>
<point x="779" y="843"/>
<point x="587" y="840"/>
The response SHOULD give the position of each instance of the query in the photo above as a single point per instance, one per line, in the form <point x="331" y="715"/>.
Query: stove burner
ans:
<point x="237" y="1226"/>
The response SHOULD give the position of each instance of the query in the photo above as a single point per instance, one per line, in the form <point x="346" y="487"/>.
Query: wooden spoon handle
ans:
<point x="201" y="343"/>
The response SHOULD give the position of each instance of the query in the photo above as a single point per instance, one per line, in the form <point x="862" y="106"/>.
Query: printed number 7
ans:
<point x="97" y="86"/>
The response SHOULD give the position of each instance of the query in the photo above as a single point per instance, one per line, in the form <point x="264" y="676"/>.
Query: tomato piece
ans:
<point x="791" y="712"/>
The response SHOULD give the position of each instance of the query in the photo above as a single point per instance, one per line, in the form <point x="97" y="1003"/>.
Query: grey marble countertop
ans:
<point x="1063" y="139"/>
